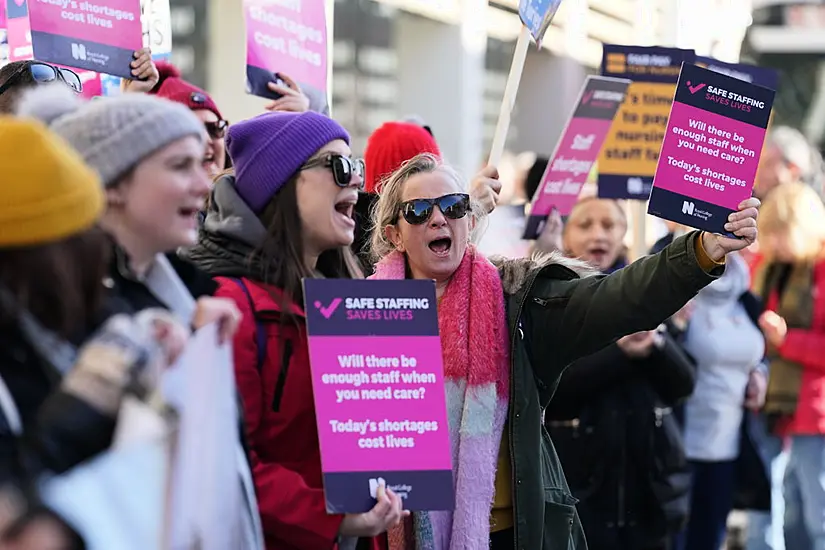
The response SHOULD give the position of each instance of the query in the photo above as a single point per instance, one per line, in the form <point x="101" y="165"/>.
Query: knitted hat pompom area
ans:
<point x="113" y="134"/>
<point x="269" y="149"/>
<point x="51" y="102"/>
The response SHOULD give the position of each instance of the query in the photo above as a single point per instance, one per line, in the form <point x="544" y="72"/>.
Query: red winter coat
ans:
<point x="280" y="419"/>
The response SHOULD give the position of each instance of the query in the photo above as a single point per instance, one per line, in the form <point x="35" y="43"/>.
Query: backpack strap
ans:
<point x="260" y="330"/>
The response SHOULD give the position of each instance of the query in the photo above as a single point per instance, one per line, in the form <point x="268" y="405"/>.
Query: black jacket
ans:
<point x="363" y="233"/>
<point x="620" y="447"/>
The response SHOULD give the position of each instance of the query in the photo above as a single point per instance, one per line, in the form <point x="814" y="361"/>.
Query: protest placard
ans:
<point x="289" y="37"/>
<point x="576" y="150"/>
<point x="761" y="76"/>
<point x="536" y="16"/>
<point x="630" y="152"/>
<point x="19" y="34"/>
<point x="378" y="385"/>
<point x="95" y="35"/>
<point x="711" y="149"/>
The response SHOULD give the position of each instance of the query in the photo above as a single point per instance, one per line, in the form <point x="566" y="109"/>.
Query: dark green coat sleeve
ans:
<point x="570" y="319"/>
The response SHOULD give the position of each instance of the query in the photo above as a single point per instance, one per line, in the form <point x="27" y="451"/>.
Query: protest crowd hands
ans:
<point x="742" y="224"/>
<point x="387" y="513"/>
<point x="638" y="345"/>
<point x="486" y="188"/>
<point x="774" y="328"/>
<point x="756" y="389"/>
<point x="217" y="310"/>
<point x="550" y="238"/>
<point x="145" y="72"/>
<point x="292" y="97"/>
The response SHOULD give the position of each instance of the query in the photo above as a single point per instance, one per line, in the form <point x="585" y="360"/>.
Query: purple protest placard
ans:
<point x="378" y="384"/>
<point x="711" y="149"/>
<point x="95" y="35"/>
<point x="577" y="150"/>
<point x="287" y="37"/>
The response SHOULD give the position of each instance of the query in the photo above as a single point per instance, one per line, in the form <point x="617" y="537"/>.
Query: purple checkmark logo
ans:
<point x="694" y="89"/>
<point x="586" y="97"/>
<point x="19" y="2"/>
<point x="330" y="309"/>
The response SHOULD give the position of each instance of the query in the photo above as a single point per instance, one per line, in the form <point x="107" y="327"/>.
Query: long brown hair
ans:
<point x="59" y="283"/>
<point x="281" y="256"/>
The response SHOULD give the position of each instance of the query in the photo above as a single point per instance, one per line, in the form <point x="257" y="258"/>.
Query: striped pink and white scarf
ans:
<point x="475" y="346"/>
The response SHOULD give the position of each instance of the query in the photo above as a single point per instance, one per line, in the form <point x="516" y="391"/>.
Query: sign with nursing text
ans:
<point x="761" y="76"/>
<point x="711" y="149"/>
<point x="631" y="151"/>
<point x="287" y="37"/>
<point x="577" y="150"/>
<point x="94" y="35"/>
<point x="378" y="385"/>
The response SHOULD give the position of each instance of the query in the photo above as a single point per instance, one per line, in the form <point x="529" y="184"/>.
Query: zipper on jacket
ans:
<point x="286" y="356"/>
<point x="511" y="416"/>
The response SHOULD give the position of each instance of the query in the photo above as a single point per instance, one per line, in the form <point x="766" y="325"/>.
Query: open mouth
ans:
<point x="346" y="209"/>
<point x="597" y="253"/>
<point x="188" y="211"/>
<point x="441" y="246"/>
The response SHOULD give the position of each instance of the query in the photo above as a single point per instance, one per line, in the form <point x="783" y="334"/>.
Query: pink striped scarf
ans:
<point x="475" y="346"/>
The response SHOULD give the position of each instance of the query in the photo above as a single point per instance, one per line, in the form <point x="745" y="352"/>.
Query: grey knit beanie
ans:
<point x="113" y="134"/>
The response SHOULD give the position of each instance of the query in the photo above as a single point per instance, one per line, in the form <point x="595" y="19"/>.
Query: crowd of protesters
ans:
<point x="596" y="401"/>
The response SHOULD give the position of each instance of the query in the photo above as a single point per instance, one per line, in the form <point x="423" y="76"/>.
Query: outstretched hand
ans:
<point x="741" y="223"/>
<point x="292" y="97"/>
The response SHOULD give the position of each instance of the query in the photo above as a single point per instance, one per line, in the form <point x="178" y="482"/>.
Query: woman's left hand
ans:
<point x="145" y="73"/>
<point x="217" y="310"/>
<point x="292" y="98"/>
<point x="742" y="224"/>
<point x="756" y="389"/>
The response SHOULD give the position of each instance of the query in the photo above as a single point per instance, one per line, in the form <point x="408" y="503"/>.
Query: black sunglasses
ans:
<point x="417" y="211"/>
<point x="343" y="168"/>
<point x="43" y="73"/>
<point x="216" y="129"/>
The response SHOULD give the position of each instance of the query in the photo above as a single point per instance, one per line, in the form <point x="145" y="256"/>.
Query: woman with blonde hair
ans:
<point x="507" y="335"/>
<point x="792" y="284"/>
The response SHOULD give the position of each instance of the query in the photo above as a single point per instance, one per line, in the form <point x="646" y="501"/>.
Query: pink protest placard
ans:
<point x="577" y="150"/>
<point x="380" y="398"/>
<point x="711" y="149"/>
<point x="287" y="37"/>
<point x="19" y="33"/>
<point x="95" y="35"/>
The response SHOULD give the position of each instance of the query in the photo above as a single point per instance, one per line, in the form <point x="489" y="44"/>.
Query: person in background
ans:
<point x="724" y="340"/>
<point x="791" y="283"/>
<point x="285" y="214"/>
<point x="19" y="76"/>
<point x="61" y="378"/>
<point x="617" y="403"/>
<point x="515" y="328"/>
<point x="787" y="157"/>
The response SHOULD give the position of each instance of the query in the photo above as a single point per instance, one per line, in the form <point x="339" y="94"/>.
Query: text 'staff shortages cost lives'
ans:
<point x="378" y="385"/>
<point x="711" y="149"/>
<point x="630" y="152"/>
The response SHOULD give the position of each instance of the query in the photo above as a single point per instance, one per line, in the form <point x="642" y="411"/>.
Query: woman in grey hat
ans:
<point x="148" y="152"/>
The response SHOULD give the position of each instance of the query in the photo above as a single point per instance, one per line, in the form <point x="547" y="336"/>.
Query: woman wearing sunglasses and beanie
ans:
<point x="286" y="214"/>
<point x="507" y="334"/>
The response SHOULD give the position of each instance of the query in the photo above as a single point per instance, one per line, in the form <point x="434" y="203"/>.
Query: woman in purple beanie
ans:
<point x="286" y="213"/>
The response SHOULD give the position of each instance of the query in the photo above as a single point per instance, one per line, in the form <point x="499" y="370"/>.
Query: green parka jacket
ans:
<point x="558" y="311"/>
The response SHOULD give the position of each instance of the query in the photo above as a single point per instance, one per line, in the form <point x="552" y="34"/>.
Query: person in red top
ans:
<point x="286" y="214"/>
<point x="791" y="281"/>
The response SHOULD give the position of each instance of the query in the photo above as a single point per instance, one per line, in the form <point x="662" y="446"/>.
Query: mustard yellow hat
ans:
<point x="47" y="192"/>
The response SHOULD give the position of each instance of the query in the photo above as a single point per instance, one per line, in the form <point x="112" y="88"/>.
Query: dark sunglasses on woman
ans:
<point x="343" y="168"/>
<point x="43" y="73"/>
<point x="216" y="129"/>
<point x="418" y="211"/>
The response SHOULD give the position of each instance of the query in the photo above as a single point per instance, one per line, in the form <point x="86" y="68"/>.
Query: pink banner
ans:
<point x="287" y="37"/>
<point x="98" y="35"/>
<point x="577" y="150"/>
<point x="19" y="31"/>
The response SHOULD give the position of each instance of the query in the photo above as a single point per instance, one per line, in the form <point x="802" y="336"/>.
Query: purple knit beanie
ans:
<point x="268" y="149"/>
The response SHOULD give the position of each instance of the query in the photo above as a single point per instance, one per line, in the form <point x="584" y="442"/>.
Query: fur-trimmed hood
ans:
<point x="516" y="272"/>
